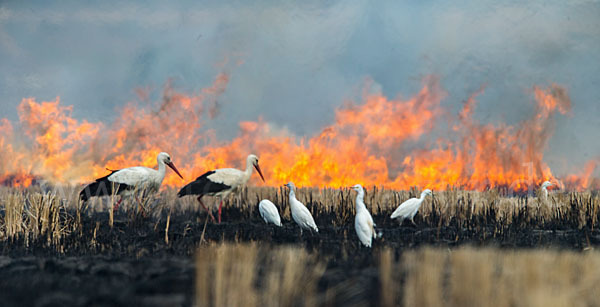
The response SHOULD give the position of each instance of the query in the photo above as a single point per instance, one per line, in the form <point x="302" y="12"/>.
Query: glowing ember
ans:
<point x="372" y="142"/>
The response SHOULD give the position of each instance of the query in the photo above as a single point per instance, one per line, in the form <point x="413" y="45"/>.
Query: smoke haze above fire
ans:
<point x="294" y="66"/>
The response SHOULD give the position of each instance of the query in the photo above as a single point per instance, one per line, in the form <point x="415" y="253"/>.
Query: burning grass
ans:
<point x="375" y="140"/>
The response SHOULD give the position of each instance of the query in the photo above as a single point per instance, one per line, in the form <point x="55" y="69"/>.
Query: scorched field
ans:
<point x="467" y="248"/>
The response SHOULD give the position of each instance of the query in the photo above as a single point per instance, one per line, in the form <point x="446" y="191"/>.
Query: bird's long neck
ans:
<point x="545" y="191"/>
<point x="248" y="171"/>
<point x="161" y="171"/>
<point x="422" y="198"/>
<point x="360" y="201"/>
<point x="292" y="197"/>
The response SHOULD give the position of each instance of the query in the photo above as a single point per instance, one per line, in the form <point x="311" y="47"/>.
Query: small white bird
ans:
<point x="269" y="212"/>
<point x="409" y="208"/>
<point x="545" y="187"/>
<point x="300" y="213"/>
<point x="127" y="179"/>
<point x="363" y="221"/>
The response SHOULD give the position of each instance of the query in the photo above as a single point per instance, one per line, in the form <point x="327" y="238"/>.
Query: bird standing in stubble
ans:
<point x="221" y="182"/>
<point x="269" y="212"/>
<point x="363" y="221"/>
<point x="409" y="208"/>
<point x="300" y="213"/>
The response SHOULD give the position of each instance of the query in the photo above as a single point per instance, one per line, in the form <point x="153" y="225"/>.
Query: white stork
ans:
<point x="545" y="187"/>
<point x="409" y="208"/>
<point x="300" y="213"/>
<point x="269" y="212"/>
<point x="221" y="182"/>
<point x="363" y="221"/>
<point x="127" y="179"/>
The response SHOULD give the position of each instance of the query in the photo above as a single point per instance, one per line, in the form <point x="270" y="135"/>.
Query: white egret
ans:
<point x="409" y="208"/>
<point x="300" y="213"/>
<point x="363" y="221"/>
<point x="269" y="212"/>
<point x="545" y="187"/>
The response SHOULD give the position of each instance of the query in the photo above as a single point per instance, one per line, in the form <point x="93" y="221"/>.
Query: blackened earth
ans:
<point x="132" y="265"/>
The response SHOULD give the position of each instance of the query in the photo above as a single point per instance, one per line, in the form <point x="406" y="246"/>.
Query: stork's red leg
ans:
<point x="220" y="206"/>
<point x="116" y="207"/>
<point x="203" y="206"/>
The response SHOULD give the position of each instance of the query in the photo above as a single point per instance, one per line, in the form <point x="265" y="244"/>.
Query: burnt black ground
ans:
<point x="131" y="265"/>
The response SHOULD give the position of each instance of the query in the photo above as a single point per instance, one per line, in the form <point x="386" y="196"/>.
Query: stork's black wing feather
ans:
<point x="202" y="186"/>
<point x="102" y="187"/>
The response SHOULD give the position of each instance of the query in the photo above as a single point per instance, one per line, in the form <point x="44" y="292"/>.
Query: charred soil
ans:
<point x="137" y="263"/>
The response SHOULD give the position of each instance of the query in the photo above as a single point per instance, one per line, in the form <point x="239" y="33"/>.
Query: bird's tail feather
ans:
<point x="98" y="188"/>
<point x="377" y="234"/>
<point x="189" y="189"/>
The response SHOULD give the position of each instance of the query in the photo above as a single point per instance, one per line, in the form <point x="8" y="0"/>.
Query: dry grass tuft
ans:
<point x="34" y="217"/>
<point x="14" y="207"/>
<point x="425" y="278"/>
<point x="44" y="218"/>
<point x="490" y="277"/>
<point x="249" y="275"/>
<point x="390" y="278"/>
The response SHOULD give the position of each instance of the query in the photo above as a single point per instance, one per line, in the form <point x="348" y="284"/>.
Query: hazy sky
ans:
<point x="294" y="64"/>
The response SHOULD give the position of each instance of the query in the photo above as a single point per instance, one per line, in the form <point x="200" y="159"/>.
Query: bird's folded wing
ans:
<point x="364" y="225"/>
<point x="405" y="208"/>
<point x="272" y="210"/>
<point x="132" y="175"/>
<point x="227" y="176"/>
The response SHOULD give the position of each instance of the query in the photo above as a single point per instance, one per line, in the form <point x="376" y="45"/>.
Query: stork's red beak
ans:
<point x="259" y="172"/>
<point x="172" y="166"/>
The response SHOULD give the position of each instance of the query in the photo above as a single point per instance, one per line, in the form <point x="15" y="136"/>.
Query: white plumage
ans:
<point x="232" y="177"/>
<point x="139" y="176"/>
<point x="363" y="221"/>
<point x="300" y="213"/>
<point x="409" y="208"/>
<point x="269" y="212"/>
<point x="545" y="186"/>
<point x="127" y="179"/>
<point x="142" y="176"/>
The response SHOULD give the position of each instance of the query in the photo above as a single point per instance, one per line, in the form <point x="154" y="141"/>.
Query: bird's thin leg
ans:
<point x="220" y="206"/>
<point x="139" y="204"/>
<point x="413" y="221"/>
<point x="116" y="207"/>
<point x="203" y="206"/>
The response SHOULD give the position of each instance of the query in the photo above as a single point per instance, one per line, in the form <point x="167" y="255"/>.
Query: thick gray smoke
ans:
<point x="293" y="65"/>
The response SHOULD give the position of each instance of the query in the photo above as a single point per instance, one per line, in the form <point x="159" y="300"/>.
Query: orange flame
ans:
<point x="379" y="141"/>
